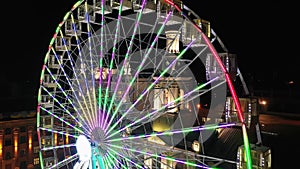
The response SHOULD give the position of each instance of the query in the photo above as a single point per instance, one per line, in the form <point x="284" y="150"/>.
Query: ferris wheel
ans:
<point x="133" y="84"/>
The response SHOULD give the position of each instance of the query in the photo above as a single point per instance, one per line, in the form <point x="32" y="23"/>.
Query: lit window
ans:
<point x="36" y="149"/>
<point x="36" y="161"/>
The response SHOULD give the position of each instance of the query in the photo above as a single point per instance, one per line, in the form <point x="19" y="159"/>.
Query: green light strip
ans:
<point x="148" y="89"/>
<point x="58" y="147"/>
<point x="125" y="61"/>
<point x="94" y="113"/>
<point x="69" y="100"/>
<point x="171" y="132"/>
<point x="62" y="120"/>
<point x="87" y="87"/>
<point x="159" y="156"/>
<point x="111" y="66"/>
<point x="247" y="147"/>
<point x="127" y="159"/>
<point x="110" y="162"/>
<point x="163" y="107"/>
<point x="134" y="78"/>
<point x="84" y="75"/>
<point x="101" y="113"/>
<point x="68" y="112"/>
<point x="122" y="165"/>
<point x="41" y="160"/>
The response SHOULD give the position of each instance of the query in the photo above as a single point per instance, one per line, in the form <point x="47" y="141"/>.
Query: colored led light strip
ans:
<point x="79" y="86"/>
<point x="58" y="132"/>
<point x="111" y="66"/>
<point x="160" y="156"/>
<point x="42" y="77"/>
<point x="163" y="107"/>
<point x="170" y="132"/>
<point x="151" y="85"/>
<point x="69" y="100"/>
<point x="127" y="53"/>
<point x="136" y="74"/>
<point x="62" y="120"/>
<point x="94" y="113"/>
<point x="66" y="110"/>
<point x="58" y="147"/>
<point x="62" y="106"/>
<point x="63" y="161"/>
<point x="127" y="159"/>
<point x="100" y="112"/>
<point x="90" y="114"/>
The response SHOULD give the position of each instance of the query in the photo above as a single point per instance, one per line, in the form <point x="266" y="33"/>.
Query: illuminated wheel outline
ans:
<point x="71" y="116"/>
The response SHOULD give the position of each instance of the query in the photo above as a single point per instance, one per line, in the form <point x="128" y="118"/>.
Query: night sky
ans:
<point x="263" y="34"/>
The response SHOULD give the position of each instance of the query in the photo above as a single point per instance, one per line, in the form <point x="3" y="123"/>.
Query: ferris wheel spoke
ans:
<point x="100" y="107"/>
<point x="159" y="112"/>
<point x="112" y="159"/>
<point x="62" y="68"/>
<point x="62" y="120"/>
<point x="169" y="82"/>
<point x="61" y="106"/>
<point x="134" y="78"/>
<point x="125" y="61"/>
<point x="125" y="158"/>
<point x="108" y="161"/>
<point x="65" y="161"/>
<point x="58" y="147"/>
<point x="112" y="61"/>
<point x="93" y="93"/>
<point x="147" y="90"/>
<point x="68" y="99"/>
<point x="163" y="107"/>
<point x="58" y="132"/>
<point x="88" y="91"/>
<point x="82" y="63"/>
<point x="158" y="156"/>
<point x="175" y="131"/>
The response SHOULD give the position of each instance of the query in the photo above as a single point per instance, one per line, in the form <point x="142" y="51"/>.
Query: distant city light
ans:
<point x="263" y="102"/>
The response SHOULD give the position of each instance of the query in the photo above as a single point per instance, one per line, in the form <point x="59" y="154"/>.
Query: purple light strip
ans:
<point x="139" y="70"/>
<point x="84" y="75"/>
<point x="58" y="132"/>
<point x="66" y="110"/>
<point x="111" y="64"/>
<point x="127" y="52"/>
<point x="159" y="156"/>
<point x="94" y="113"/>
<point x="149" y="88"/>
<point x="62" y="120"/>
<point x="100" y="111"/>
<point x="127" y="159"/>
<point x="69" y="100"/>
<point x="170" y="132"/>
<point x="58" y="147"/>
<point x="163" y="107"/>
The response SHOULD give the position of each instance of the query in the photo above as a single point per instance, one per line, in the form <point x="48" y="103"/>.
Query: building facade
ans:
<point x="19" y="145"/>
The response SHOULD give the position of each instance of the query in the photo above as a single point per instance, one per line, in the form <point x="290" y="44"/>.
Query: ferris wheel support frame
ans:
<point x="228" y="80"/>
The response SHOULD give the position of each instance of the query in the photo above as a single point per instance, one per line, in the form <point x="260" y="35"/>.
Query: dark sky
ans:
<point x="264" y="35"/>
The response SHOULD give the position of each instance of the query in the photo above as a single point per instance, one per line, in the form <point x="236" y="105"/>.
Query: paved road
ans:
<point x="281" y="133"/>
